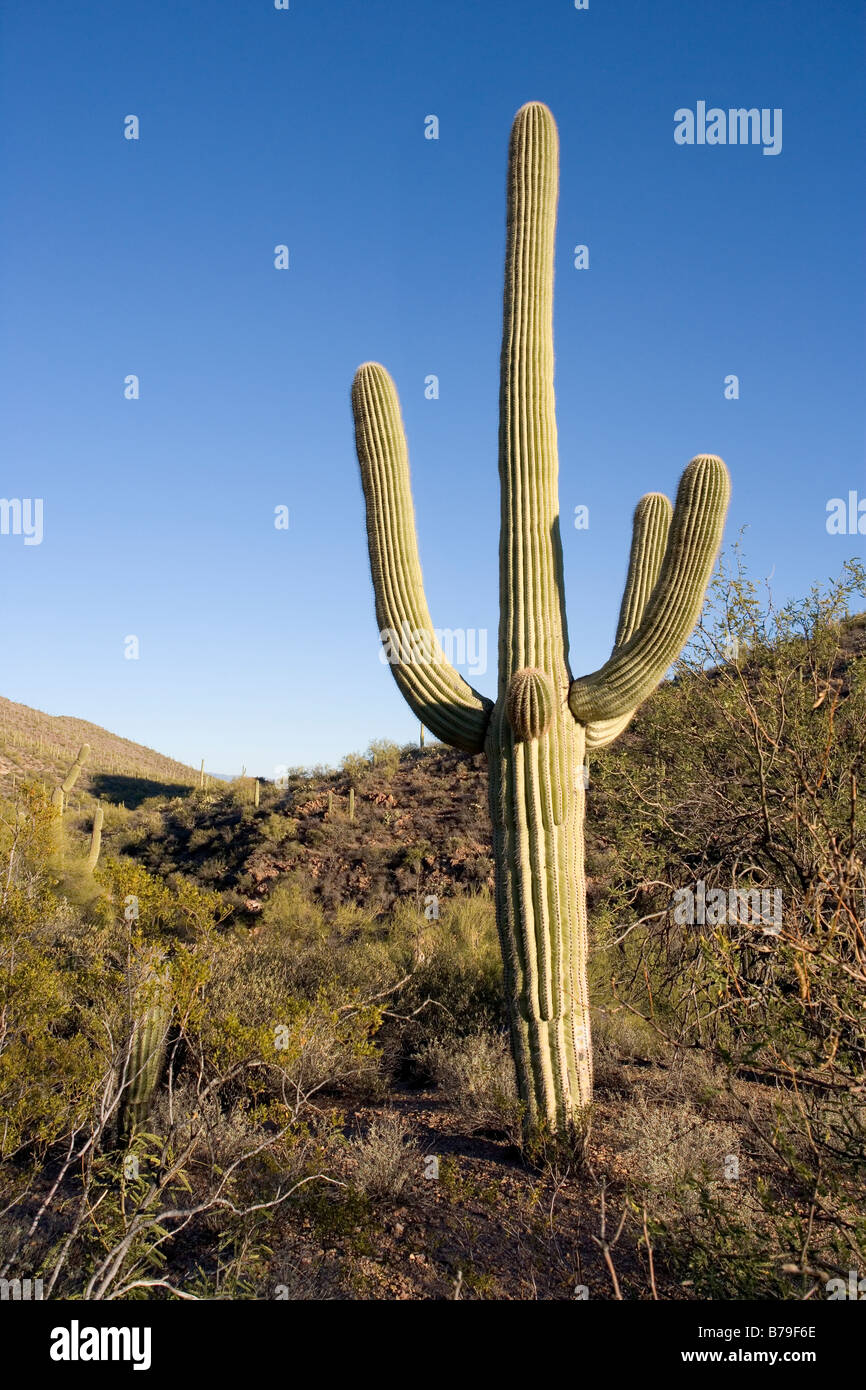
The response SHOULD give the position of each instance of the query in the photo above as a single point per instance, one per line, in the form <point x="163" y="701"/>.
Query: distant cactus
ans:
<point x="256" y="794"/>
<point x="61" y="792"/>
<point x="351" y="803"/>
<point x="201" y="775"/>
<point x="536" y="734"/>
<point x="421" y="737"/>
<point x="95" y="838"/>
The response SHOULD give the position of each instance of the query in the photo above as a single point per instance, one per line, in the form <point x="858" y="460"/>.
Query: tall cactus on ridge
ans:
<point x="543" y="721"/>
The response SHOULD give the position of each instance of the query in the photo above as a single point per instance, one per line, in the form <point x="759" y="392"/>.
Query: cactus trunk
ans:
<point x="541" y="914"/>
<point x="95" y="839"/>
<point x="534" y="746"/>
<point x="151" y="1013"/>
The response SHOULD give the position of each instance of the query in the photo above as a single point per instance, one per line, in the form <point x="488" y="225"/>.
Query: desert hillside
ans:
<point x="43" y="746"/>
<point x="273" y="1015"/>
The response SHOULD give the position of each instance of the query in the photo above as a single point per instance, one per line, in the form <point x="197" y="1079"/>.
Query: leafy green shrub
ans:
<point x="456" y="982"/>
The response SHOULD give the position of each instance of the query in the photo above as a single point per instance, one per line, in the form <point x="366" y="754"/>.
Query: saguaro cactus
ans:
<point x="537" y="732"/>
<point x="151" y="1013"/>
<point x="61" y="792"/>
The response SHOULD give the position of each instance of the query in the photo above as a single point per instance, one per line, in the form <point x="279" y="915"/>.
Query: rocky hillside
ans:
<point x="417" y="825"/>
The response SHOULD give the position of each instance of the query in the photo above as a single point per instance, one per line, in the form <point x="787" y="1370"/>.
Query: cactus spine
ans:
<point x="537" y="732"/>
<point x="95" y="839"/>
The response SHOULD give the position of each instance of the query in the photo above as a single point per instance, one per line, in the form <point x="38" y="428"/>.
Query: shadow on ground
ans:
<point x="132" y="791"/>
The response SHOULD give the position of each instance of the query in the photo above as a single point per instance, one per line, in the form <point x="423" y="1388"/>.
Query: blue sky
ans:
<point x="306" y="127"/>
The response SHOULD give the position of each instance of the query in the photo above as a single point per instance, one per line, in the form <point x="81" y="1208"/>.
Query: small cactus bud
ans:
<point x="529" y="703"/>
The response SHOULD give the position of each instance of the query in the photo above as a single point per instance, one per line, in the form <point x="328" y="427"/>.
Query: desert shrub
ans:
<point x="477" y="1075"/>
<point x="212" y="1132"/>
<point x="384" y="756"/>
<point x="356" y="769"/>
<point x="56" y="992"/>
<point x="725" y="1246"/>
<point x="741" y="776"/>
<point x="617" y="1037"/>
<point x="674" y="1151"/>
<point x="276" y="828"/>
<point x="386" y="1160"/>
<point x="289" y="913"/>
<point x="297" y="1043"/>
<point x="456" y="983"/>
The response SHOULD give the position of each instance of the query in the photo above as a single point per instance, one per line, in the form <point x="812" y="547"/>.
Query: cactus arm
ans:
<point x="635" y="669"/>
<point x="650" y="528"/>
<point x="72" y="775"/>
<point x="61" y="792"/>
<point x="440" y="698"/>
<point x="652" y="519"/>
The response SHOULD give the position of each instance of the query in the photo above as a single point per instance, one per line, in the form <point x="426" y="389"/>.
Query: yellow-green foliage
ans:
<point x="290" y="915"/>
<point x="384" y="755"/>
<point x="54" y="988"/>
<point x="455" y="960"/>
<point x="356" y="768"/>
<point x="259" y="1009"/>
<point x="277" y="828"/>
